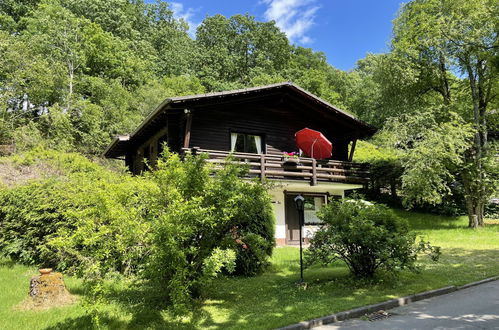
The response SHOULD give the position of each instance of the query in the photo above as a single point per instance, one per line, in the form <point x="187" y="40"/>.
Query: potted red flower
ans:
<point x="290" y="160"/>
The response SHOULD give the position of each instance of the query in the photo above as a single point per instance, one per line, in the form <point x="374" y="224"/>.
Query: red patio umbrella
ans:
<point x="313" y="143"/>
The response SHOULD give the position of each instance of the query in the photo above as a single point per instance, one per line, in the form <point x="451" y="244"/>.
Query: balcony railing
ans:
<point x="277" y="167"/>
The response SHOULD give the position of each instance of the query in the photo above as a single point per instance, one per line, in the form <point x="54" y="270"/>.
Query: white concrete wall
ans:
<point x="279" y="213"/>
<point x="278" y="200"/>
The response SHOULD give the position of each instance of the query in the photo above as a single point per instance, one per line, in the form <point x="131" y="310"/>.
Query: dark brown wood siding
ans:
<point x="211" y="127"/>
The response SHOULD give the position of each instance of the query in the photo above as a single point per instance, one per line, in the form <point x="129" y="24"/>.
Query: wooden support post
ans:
<point x="352" y="149"/>
<point x="314" y="173"/>
<point x="188" y="124"/>
<point x="262" y="167"/>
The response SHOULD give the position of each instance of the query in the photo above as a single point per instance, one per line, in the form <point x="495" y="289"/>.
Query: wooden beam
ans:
<point x="188" y="124"/>
<point x="314" y="173"/>
<point x="262" y="167"/>
<point x="352" y="149"/>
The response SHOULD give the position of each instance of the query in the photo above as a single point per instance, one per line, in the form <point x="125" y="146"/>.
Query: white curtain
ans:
<point x="258" y="142"/>
<point x="311" y="214"/>
<point x="233" y="140"/>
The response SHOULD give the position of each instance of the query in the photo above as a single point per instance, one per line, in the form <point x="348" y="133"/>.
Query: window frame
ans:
<point x="262" y="136"/>
<point x="324" y="203"/>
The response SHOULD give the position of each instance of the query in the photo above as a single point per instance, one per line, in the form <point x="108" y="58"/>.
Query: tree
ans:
<point x="12" y="12"/>
<point x="235" y="49"/>
<point x="432" y="154"/>
<point x="150" y="29"/>
<point x="387" y="85"/>
<point x="151" y="94"/>
<point x="311" y="71"/>
<point x="56" y="32"/>
<point x="27" y="81"/>
<point x="458" y="36"/>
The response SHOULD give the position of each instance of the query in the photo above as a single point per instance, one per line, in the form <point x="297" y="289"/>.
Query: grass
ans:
<point x="272" y="299"/>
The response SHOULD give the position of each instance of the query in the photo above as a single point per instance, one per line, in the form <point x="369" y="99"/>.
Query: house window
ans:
<point x="312" y="205"/>
<point x="241" y="142"/>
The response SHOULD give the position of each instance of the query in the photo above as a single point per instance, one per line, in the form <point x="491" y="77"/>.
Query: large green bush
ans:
<point x="82" y="218"/>
<point x="367" y="237"/>
<point x="177" y="226"/>
<point x="29" y="217"/>
<point x="198" y="217"/>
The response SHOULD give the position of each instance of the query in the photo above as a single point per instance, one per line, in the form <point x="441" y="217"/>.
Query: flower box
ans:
<point x="290" y="161"/>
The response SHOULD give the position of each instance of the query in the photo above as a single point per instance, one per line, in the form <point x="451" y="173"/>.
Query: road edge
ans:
<point x="389" y="304"/>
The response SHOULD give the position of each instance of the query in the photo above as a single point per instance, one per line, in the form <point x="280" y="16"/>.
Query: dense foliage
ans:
<point x="440" y="38"/>
<point x="176" y="227"/>
<point x="434" y="96"/>
<point x="367" y="237"/>
<point x="75" y="73"/>
<point x="204" y="223"/>
<point x="84" y="219"/>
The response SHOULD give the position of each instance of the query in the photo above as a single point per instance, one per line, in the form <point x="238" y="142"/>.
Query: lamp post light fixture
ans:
<point x="300" y="206"/>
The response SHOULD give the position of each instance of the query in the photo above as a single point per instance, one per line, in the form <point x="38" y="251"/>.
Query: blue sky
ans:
<point x="346" y="30"/>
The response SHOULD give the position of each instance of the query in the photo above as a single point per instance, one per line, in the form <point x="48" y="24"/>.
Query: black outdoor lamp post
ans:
<point x="300" y="206"/>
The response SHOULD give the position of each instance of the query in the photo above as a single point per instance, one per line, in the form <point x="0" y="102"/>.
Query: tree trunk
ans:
<point x="393" y="188"/>
<point x="473" y="176"/>
<point x="70" y="87"/>
<point x="445" y="88"/>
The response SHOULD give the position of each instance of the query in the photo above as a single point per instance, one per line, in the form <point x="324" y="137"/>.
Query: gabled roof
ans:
<point x="117" y="147"/>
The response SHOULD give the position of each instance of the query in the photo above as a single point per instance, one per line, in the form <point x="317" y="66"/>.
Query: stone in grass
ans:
<point x="47" y="290"/>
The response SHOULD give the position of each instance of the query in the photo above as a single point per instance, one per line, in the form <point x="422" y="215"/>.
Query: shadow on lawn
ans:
<point x="148" y="308"/>
<point x="142" y="305"/>
<point x="425" y="221"/>
<point x="85" y="322"/>
<point x="273" y="299"/>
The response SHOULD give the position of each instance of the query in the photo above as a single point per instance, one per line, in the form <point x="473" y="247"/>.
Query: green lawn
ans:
<point x="272" y="299"/>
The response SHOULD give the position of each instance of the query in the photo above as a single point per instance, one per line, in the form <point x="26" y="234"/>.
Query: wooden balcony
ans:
<point x="276" y="167"/>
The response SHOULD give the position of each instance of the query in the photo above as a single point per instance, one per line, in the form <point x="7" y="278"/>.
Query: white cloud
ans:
<point x="293" y="17"/>
<point x="186" y="14"/>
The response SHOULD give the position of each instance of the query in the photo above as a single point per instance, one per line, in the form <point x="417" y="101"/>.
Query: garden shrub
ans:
<point x="251" y="253"/>
<point x="85" y="219"/>
<point x="367" y="237"/>
<point x="177" y="226"/>
<point x="492" y="210"/>
<point x="29" y="217"/>
<point x="109" y="231"/>
<point x="194" y="214"/>
<point x="252" y="220"/>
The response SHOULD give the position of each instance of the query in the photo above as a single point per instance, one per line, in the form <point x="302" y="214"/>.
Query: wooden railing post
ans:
<point x="270" y="167"/>
<point x="352" y="149"/>
<point x="188" y="124"/>
<point x="184" y="152"/>
<point x="314" y="172"/>
<point x="262" y="167"/>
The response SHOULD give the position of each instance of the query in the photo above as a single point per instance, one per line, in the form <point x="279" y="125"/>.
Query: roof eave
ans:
<point x="108" y="152"/>
<point x="370" y="130"/>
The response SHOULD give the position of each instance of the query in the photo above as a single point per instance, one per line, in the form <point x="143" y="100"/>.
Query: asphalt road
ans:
<point x="472" y="308"/>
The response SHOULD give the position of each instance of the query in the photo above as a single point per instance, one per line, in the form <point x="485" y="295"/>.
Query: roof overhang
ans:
<point x="118" y="146"/>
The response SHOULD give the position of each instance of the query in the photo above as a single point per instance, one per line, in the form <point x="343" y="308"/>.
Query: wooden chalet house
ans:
<point x="257" y="126"/>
